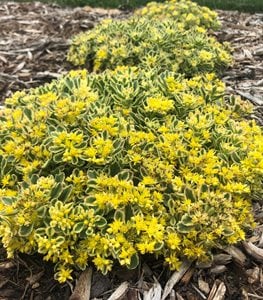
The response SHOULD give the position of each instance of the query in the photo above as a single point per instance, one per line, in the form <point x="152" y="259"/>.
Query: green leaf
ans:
<point x="40" y="231"/>
<point x="89" y="232"/>
<point x="134" y="262"/>
<point x="3" y="164"/>
<point x="143" y="171"/>
<point x="34" y="178"/>
<point x="119" y="215"/>
<point x="25" y="230"/>
<point x="186" y="220"/>
<point x="58" y="205"/>
<point x="172" y="221"/>
<point x="56" y="149"/>
<point x="75" y="161"/>
<point x="125" y="175"/>
<point x="114" y="168"/>
<point x="223" y="157"/>
<point x="28" y="113"/>
<point x="227" y="231"/>
<point x="182" y="228"/>
<point x="53" y="123"/>
<point x="60" y="240"/>
<point x="92" y="174"/>
<point x="47" y="163"/>
<point x="235" y="157"/>
<point x="42" y="211"/>
<point x="128" y="212"/>
<point x="228" y="196"/>
<point x="50" y="231"/>
<point x="60" y="177"/>
<point x="58" y="157"/>
<point x="90" y="201"/>
<point x="170" y="204"/>
<point x="64" y="196"/>
<point x="204" y="188"/>
<point x="118" y="146"/>
<point x="78" y="227"/>
<point x="158" y="246"/>
<point x="100" y="221"/>
<point x="56" y="191"/>
<point x="24" y="185"/>
<point x="8" y="200"/>
<point x="211" y="212"/>
<point x="189" y="194"/>
<point x="69" y="84"/>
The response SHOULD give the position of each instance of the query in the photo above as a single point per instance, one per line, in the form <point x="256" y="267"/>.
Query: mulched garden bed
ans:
<point x="34" y="39"/>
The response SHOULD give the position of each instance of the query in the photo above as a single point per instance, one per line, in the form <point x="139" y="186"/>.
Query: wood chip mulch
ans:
<point x="245" y="34"/>
<point x="34" y="39"/>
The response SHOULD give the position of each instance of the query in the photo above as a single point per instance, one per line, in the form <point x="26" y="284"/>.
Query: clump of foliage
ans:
<point x="160" y="44"/>
<point x="185" y="12"/>
<point x="109" y="166"/>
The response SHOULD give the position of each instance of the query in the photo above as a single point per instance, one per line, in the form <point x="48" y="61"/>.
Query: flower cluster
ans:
<point x="185" y="12"/>
<point x="149" y="43"/>
<point x="109" y="166"/>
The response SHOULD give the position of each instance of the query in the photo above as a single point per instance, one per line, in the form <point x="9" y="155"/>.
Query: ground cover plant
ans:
<point x="188" y="13"/>
<point x="124" y="163"/>
<point x="149" y="43"/>
<point x="104" y="167"/>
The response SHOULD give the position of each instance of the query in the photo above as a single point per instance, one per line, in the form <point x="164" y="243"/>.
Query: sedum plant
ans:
<point x="160" y="44"/>
<point x="104" y="167"/>
<point x="185" y="12"/>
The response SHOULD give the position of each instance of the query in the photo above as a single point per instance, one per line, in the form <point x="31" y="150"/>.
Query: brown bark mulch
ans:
<point x="245" y="34"/>
<point x="34" y="39"/>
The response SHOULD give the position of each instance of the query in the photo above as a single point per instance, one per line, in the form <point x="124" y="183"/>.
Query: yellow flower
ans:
<point x="78" y="73"/>
<point x="125" y="255"/>
<point x="102" y="264"/>
<point x="148" y="180"/>
<point x="63" y="274"/>
<point x="205" y="55"/>
<point x="159" y="105"/>
<point x="102" y="53"/>
<point x="47" y="98"/>
<point x="173" y="241"/>
<point x="173" y="261"/>
<point x="116" y="226"/>
<point x="100" y="124"/>
<point x="66" y="257"/>
<point x="7" y="180"/>
<point x="146" y="247"/>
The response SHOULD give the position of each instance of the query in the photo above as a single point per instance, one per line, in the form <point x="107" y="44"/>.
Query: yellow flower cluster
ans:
<point x="137" y="163"/>
<point x="185" y="12"/>
<point x="149" y="43"/>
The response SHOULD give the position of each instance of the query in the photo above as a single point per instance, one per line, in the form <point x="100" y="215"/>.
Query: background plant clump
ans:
<point x="185" y="12"/>
<point x="136" y="160"/>
<point x="148" y="42"/>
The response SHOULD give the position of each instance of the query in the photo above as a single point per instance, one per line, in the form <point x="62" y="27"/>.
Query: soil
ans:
<point x="34" y="39"/>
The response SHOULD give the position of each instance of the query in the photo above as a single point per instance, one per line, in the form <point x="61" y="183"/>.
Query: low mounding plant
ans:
<point x="104" y="167"/>
<point x="185" y="12"/>
<point x="163" y="45"/>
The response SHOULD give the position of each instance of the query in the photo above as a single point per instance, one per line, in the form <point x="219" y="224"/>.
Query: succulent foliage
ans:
<point x="104" y="167"/>
<point x="149" y="43"/>
<point x="185" y="12"/>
